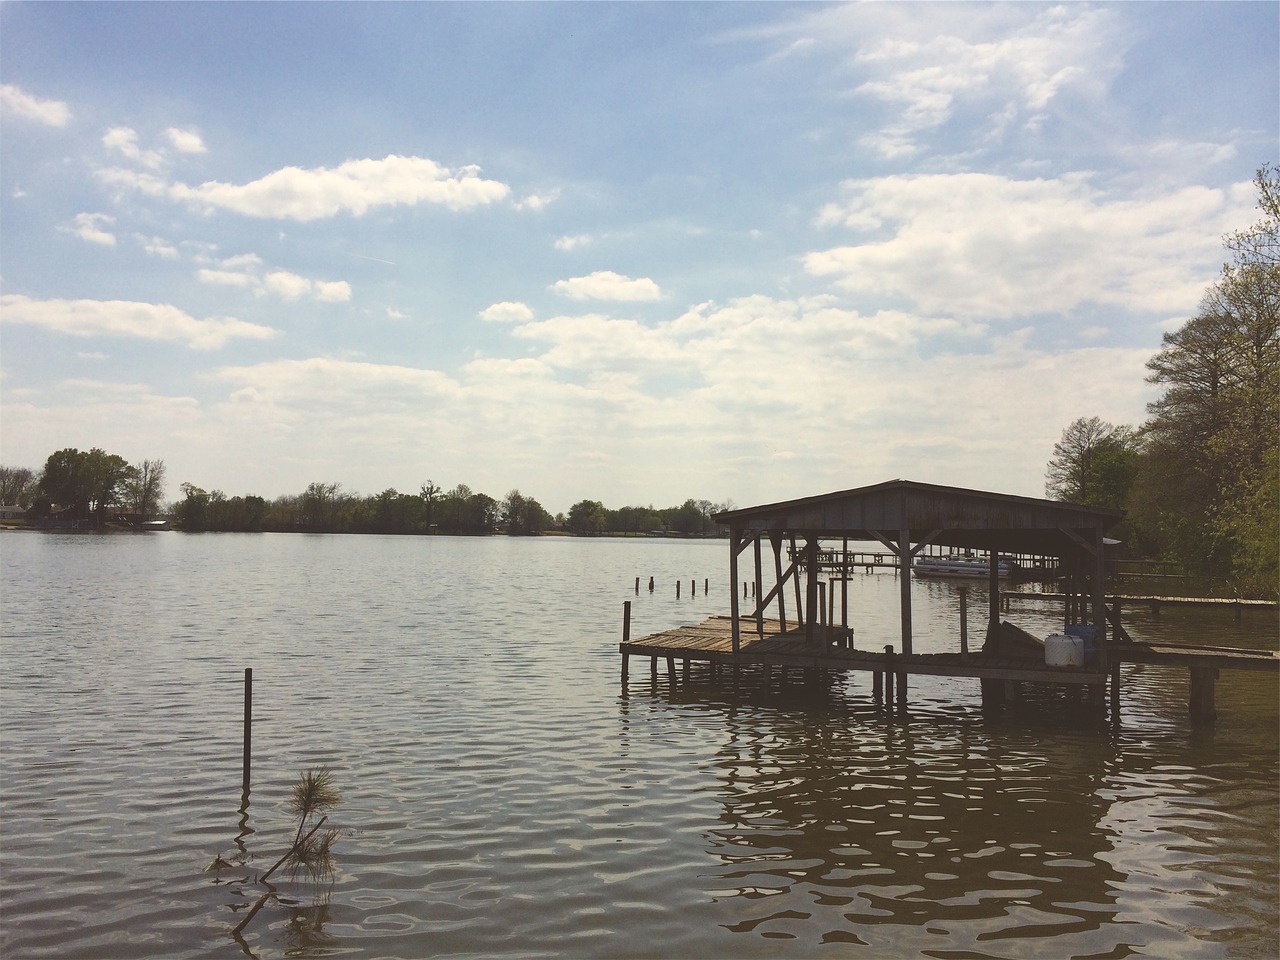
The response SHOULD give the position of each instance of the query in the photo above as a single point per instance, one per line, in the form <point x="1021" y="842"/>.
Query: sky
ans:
<point x="633" y="252"/>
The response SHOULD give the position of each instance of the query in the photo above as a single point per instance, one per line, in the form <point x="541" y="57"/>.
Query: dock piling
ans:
<point x="248" y="728"/>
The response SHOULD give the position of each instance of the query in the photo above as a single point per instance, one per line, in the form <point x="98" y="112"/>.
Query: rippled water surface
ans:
<point x="502" y="797"/>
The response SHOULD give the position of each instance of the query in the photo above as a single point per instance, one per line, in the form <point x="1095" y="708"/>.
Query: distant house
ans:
<point x="12" y="513"/>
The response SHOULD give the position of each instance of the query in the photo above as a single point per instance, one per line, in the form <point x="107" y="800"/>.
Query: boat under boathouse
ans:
<point x="783" y="615"/>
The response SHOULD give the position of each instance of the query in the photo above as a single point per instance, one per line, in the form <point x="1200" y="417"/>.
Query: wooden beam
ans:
<point x="734" y="611"/>
<point x="775" y="541"/>
<point x="795" y="582"/>
<point x="904" y="600"/>
<point x="759" y="589"/>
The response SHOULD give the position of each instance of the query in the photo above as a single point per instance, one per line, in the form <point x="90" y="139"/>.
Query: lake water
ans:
<point x="502" y="798"/>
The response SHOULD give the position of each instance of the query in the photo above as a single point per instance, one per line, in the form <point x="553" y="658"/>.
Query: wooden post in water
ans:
<point x="677" y="589"/>
<point x="626" y="633"/>
<point x="1201" y="703"/>
<point x="248" y="728"/>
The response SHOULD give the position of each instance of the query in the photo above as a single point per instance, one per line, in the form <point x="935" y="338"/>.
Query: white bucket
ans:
<point x="1061" y="650"/>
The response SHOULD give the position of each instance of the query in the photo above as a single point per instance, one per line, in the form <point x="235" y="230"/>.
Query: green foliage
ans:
<point x="587" y="518"/>
<point x="1202" y="485"/>
<point x="17" y="486"/>
<point x="85" y="484"/>
<point x="1093" y="464"/>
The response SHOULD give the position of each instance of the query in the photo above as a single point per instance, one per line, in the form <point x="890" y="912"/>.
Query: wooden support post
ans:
<point x="877" y="686"/>
<point x="653" y="668"/>
<point x="844" y="589"/>
<point x="626" y="634"/>
<point x="637" y="586"/>
<point x="904" y="600"/>
<point x="757" y="585"/>
<point x="1201" y="703"/>
<point x="735" y="628"/>
<point x="248" y="729"/>
<point x="775" y="542"/>
<point x="671" y="670"/>
<point x="677" y="589"/>
<point x="812" y="611"/>
<point x="795" y="583"/>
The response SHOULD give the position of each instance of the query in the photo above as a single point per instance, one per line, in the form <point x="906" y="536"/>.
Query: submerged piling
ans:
<point x="248" y="728"/>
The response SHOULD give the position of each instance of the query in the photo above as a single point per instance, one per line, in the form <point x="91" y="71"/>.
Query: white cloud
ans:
<point x="985" y="245"/>
<point x="1002" y="66"/>
<point x="124" y="140"/>
<point x="538" y="201"/>
<point x="506" y="312"/>
<point x="290" y="286"/>
<point x="354" y="187"/>
<point x="125" y="318"/>
<point x="157" y="247"/>
<point x="332" y="291"/>
<point x="575" y="242"/>
<point x="185" y="141"/>
<point x="18" y="103"/>
<point x="244" y="270"/>
<point x="607" y="285"/>
<point x="226" y="278"/>
<point x="89" y="227"/>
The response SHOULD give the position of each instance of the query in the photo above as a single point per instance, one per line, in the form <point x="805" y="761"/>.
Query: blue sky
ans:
<point x="628" y="252"/>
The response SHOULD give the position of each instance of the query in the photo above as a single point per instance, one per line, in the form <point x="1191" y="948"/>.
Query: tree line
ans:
<point x="327" y="508"/>
<point x="1199" y="479"/>
<point x="94" y="488"/>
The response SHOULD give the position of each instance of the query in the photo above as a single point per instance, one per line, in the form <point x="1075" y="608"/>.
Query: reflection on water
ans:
<point x="503" y="798"/>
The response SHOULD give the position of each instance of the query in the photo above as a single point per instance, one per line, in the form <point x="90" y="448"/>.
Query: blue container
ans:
<point x="1089" y="634"/>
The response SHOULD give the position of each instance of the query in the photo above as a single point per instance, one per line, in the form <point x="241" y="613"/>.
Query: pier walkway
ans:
<point x="711" y="641"/>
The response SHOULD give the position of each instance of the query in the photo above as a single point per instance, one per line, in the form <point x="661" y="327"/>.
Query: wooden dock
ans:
<point x="711" y="641"/>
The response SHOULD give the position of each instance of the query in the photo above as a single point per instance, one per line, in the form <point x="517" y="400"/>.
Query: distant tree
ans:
<point x="18" y="486"/>
<point x="523" y="516"/>
<point x="191" y="513"/>
<point x="144" y="487"/>
<point x="688" y="518"/>
<point x="87" y="483"/>
<point x="1094" y="464"/>
<point x="429" y="494"/>
<point x="320" y="508"/>
<point x="586" y="518"/>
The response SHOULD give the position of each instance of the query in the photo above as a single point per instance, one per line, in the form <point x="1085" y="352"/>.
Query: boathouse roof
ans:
<point x="947" y="516"/>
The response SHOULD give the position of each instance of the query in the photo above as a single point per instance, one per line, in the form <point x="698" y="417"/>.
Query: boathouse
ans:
<point x="905" y="517"/>
<point x="785" y="617"/>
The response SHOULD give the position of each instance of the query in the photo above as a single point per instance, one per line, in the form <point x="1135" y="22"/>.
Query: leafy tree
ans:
<point x="87" y="483"/>
<point x="321" y="508"/>
<point x="1207" y="488"/>
<point x="1094" y="464"/>
<point x="429" y="494"/>
<point x="587" y="518"/>
<point x="523" y="516"/>
<point x="18" y="486"/>
<point x="144" y="487"/>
